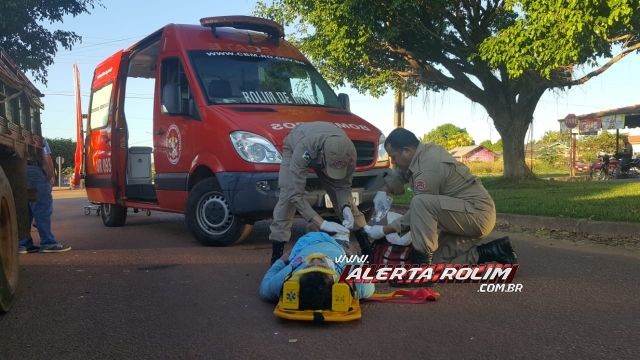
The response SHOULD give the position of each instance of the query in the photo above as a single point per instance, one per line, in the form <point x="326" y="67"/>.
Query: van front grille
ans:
<point x="366" y="152"/>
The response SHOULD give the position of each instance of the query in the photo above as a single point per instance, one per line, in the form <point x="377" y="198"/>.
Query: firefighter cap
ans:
<point x="339" y="153"/>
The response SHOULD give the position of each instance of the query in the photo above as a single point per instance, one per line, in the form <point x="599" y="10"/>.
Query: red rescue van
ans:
<point x="226" y="93"/>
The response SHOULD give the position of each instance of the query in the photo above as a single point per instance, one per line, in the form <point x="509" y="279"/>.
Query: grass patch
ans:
<point x="594" y="200"/>
<point x="539" y="168"/>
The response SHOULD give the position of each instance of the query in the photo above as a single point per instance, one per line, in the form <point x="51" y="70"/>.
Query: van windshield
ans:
<point x="229" y="77"/>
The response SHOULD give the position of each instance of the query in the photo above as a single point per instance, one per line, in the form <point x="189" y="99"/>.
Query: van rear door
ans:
<point x="103" y="139"/>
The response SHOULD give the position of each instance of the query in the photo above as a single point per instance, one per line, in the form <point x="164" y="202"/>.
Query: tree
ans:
<point x="449" y="136"/>
<point x="27" y="41"/>
<point x="552" y="154"/>
<point x="65" y="148"/>
<point x="552" y="137"/>
<point x="495" y="147"/>
<point x="589" y="146"/>
<point x="502" y="54"/>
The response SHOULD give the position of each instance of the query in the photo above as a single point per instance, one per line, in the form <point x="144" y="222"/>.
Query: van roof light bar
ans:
<point x="269" y="27"/>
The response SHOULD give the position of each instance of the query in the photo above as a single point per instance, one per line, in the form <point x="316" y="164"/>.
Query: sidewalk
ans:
<point x="579" y="226"/>
<point x="608" y="229"/>
<point x="66" y="193"/>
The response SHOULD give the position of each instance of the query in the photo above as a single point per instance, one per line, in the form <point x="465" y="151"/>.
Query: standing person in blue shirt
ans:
<point x="315" y="251"/>
<point x="40" y="175"/>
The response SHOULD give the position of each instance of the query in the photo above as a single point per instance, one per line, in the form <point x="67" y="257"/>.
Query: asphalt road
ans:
<point x="149" y="291"/>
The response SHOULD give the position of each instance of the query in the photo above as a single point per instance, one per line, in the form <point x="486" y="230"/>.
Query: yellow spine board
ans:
<point x="353" y="313"/>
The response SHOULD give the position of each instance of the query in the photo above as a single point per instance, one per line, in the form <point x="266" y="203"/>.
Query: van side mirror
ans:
<point x="343" y="99"/>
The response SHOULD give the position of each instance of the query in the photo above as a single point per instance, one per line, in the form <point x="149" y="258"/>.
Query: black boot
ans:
<point x="499" y="250"/>
<point x="363" y="241"/>
<point x="277" y="249"/>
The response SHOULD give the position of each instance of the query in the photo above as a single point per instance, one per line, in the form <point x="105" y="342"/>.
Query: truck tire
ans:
<point x="113" y="215"/>
<point x="209" y="217"/>
<point x="8" y="244"/>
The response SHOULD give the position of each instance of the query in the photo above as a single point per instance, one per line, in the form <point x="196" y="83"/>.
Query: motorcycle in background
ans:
<point x="608" y="167"/>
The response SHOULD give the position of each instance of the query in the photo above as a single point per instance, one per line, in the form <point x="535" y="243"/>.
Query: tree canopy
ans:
<point x="502" y="54"/>
<point x="25" y="38"/>
<point x="65" y="148"/>
<point x="449" y="136"/>
<point x="551" y="137"/>
<point x="495" y="147"/>
<point x="589" y="147"/>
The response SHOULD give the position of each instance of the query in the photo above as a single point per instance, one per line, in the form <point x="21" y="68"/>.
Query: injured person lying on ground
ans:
<point x="313" y="257"/>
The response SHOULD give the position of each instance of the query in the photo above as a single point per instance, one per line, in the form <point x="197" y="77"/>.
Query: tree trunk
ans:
<point x="513" y="130"/>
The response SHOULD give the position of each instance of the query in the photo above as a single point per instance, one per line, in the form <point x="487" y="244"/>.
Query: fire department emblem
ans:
<point x="420" y="185"/>
<point x="307" y="157"/>
<point x="174" y="144"/>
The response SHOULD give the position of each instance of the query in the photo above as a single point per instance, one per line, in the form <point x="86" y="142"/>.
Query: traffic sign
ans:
<point x="571" y="121"/>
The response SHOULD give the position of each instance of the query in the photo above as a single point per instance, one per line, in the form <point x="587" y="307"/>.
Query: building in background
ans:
<point x="619" y="121"/>
<point x="473" y="153"/>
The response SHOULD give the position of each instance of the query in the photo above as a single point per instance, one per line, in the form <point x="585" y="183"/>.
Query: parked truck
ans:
<point x="20" y="140"/>
<point x="225" y="92"/>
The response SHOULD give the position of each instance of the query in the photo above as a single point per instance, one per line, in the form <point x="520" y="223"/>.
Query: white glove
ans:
<point x="382" y="202"/>
<point x="375" y="232"/>
<point x="347" y="218"/>
<point x="332" y="227"/>
<point x="396" y="239"/>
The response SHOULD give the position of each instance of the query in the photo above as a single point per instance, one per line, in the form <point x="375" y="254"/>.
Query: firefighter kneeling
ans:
<point x="450" y="212"/>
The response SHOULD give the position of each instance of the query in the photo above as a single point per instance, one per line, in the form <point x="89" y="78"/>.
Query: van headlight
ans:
<point x="382" y="153"/>
<point x="254" y="148"/>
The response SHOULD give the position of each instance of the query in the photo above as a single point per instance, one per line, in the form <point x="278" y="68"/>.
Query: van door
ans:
<point x="103" y="139"/>
<point x="176" y="135"/>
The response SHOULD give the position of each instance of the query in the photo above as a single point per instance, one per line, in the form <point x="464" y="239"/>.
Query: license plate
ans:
<point x="354" y="195"/>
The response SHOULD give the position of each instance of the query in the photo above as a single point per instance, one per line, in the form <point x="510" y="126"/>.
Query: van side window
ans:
<point x="176" y="97"/>
<point x="100" y="102"/>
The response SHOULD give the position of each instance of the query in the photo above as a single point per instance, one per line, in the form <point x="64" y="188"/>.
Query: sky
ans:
<point x="120" y="24"/>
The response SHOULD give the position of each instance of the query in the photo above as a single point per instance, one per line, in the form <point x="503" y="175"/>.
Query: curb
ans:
<point x="580" y="226"/>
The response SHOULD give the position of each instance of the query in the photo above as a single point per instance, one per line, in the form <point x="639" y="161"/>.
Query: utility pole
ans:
<point x="60" y="161"/>
<point x="398" y="109"/>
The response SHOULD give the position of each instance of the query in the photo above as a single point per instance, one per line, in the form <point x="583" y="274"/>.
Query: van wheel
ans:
<point x="8" y="244"/>
<point x="210" y="219"/>
<point x="113" y="215"/>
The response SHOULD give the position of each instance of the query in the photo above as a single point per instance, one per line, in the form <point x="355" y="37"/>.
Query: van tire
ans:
<point x="113" y="215"/>
<point x="209" y="217"/>
<point x="8" y="244"/>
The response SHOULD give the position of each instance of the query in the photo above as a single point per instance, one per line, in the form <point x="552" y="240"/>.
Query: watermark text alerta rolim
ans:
<point x="440" y="273"/>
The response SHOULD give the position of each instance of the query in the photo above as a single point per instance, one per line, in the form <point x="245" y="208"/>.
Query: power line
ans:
<point x="71" y="95"/>
<point x="106" y="42"/>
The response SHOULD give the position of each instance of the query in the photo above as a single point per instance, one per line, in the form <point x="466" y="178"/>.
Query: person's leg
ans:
<point x="456" y="249"/>
<point x="462" y="231"/>
<point x="42" y="208"/>
<point x="25" y="245"/>
<point x="284" y="212"/>
<point x="461" y="224"/>
<point x="424" y="211"/>
<point x="280" y="229"/>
